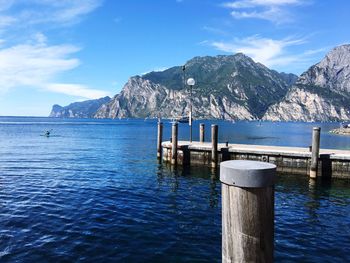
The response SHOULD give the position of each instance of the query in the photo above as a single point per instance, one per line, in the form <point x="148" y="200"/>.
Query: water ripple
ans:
<point x="88" y="196"/>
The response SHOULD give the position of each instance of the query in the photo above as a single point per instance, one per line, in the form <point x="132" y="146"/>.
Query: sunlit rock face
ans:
<point x="84" y="109"/>
<point x="227" y="87"/>
<point x="322" y="93"/>
<point x="230" y="87"/>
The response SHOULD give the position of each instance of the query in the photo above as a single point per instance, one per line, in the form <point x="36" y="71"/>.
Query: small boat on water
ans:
<point x="47" y="133"/>
<point x="181" y="119"/>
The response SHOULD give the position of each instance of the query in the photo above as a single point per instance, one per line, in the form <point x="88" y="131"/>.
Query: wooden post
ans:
<point x="174" y="131"/>
<point x="315" y="151"/>
<point x="159" y="140"/>
<point x="214" y="145"/>
<point x="247" y="211"/>
<point x="201" y="132"/>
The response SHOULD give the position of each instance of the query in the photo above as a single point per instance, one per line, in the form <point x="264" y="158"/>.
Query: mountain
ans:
<point x="84" y="109"/>
<point x="322" y="93"/>
<point x="227" y="87"/>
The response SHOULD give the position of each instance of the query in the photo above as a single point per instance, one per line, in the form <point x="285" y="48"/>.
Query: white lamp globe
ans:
<point x="191" y="82"/>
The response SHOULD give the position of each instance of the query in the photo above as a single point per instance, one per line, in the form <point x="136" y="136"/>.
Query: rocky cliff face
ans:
<point x="322" y="93"/>
<point x="301" y="104"/>
<point x="333" y="72"/>
<point x="227" y="87"/>
<point x="231" y="87"/>
<point x="84" y="109"/>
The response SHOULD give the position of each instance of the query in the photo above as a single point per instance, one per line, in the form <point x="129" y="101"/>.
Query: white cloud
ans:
<point x="6" y="21"/>
<point x="37" y="65"/>
<point x="271" y="10"/>
<point x="269" y="52"/>
<point x="273" y="14"/>
<point x="51" y="13"/>
<point x="30" y="65"/>
<point x="76" y="90"/>
<point x="154" y="70"/>
<point x="27" y="59"/>
<point x="40" y="38"/>
<point x="265" y="3"/>
<point x="6" y="4"/>
<point x="68" y="10"/>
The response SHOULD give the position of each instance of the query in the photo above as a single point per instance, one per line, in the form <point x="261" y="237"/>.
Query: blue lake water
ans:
<point x="94" y="192"/>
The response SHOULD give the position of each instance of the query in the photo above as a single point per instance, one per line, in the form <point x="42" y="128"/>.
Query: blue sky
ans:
<point x="71" y="50"/>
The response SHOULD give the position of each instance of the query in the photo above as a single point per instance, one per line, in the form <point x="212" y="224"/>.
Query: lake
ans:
<point x="94" y="192"/>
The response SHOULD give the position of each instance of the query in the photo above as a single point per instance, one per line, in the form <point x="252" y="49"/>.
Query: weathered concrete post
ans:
<point x="159" y="140"/>
<point x="214" y="145"/>
<point x="201" y="132"/>
<point x="247" y="211"/>
<point x="174" y="131"/>
<point x="315" y="151"/>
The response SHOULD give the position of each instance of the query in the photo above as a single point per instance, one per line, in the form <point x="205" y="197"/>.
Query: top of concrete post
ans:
<point x="251" y="174"/>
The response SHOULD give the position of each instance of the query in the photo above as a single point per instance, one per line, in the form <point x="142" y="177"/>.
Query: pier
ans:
<point x="326" y="163"/>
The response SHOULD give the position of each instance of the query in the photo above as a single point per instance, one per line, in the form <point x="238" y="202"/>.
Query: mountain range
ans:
<point x="231" y="87"/>
<point x="84" y="109"/>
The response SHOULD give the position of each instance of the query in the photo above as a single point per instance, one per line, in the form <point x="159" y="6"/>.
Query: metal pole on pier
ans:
<point x="159" y="139"/>
<point x="315" y="151"/>
<point x="214" y="145"/>
<point x="201" y="132"/>
<point x="190" y="82"/>
<point x="174" y="132"/>
<point x="247" y="211"/>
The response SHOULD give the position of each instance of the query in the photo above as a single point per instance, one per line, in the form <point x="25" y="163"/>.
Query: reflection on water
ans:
<point x="171" y="175"/>
<point x="312" y="221"/>
<point x="95" y="192"/>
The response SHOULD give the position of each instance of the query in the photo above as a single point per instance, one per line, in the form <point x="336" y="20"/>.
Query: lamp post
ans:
<point x="183" y="76"/>
<point x="190" y="82"/>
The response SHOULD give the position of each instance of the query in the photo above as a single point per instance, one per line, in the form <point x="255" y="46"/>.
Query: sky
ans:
<point x="59" y="52"/>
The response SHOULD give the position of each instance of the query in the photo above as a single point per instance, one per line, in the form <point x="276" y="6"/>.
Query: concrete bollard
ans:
<point x="159" y="140"/>
<point x="174" y="131"/>
<point x="214" y="145"/>
<point x="315" y="151"/>
<point x="247" y="211"/>
<point x="201" y="132"/>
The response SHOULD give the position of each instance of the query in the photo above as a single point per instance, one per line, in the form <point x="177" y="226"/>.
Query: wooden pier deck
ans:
<point x="332" y="163"/>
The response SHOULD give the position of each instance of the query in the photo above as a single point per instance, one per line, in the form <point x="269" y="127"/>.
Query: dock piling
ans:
<point x="174" y="133"/>
<point x="315" y="151"/>
<point x="247" y="211"/>
<point x="201" y="132"/>
<point x="159" y="140"/>
<point x="214" y="145"/>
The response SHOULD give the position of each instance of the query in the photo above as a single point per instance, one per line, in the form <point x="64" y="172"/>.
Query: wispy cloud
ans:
<point x="270" y="52"/>
<point x="272" y="10"/>
<point x="68" y="11"/>
<point x="59" y="13"/>
<point x="76" y="90"/>
<point x="29" y="60"/>
<point x="31" y="65"/>
<point x="215" y="30"/>
<point x="159" y="69"/>
<point x="265" y="3"/>
<point x="38" y="65"/>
